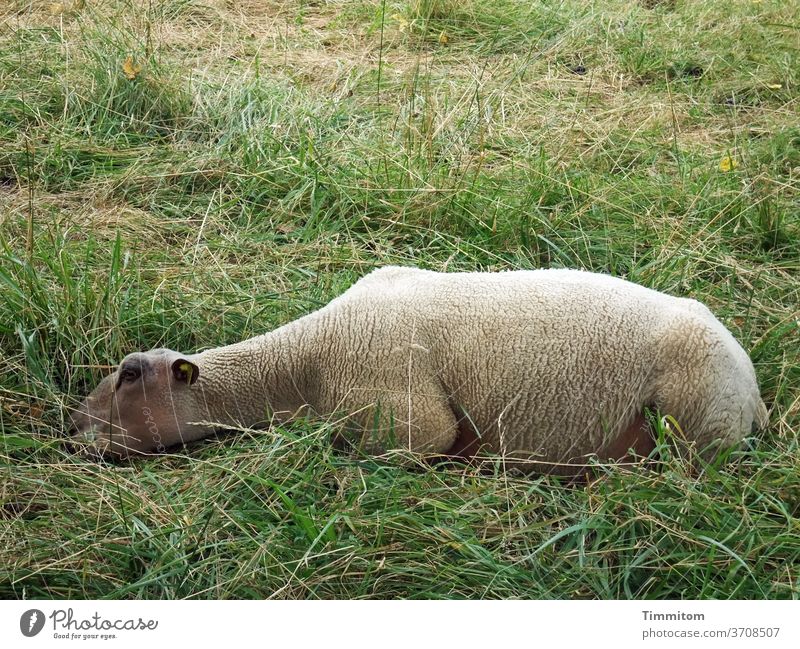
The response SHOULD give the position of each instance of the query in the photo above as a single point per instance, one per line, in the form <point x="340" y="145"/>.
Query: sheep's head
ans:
<point x="143" y="407"/>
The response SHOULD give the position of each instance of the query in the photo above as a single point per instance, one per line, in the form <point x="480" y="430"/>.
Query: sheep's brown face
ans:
<point x="145" y="406"/>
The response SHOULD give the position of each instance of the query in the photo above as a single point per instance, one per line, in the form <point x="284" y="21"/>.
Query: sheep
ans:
<point x="550" y="369"/>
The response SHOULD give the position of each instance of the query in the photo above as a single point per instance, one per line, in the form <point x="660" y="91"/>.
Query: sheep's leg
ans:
<point x="429" y="425"/>
<point x="637" y="437"/>
<point x="467" y="443"/>
<point x="421" y="423"/>
<point x="702" y="388"/>
<point x="703" y="421"/>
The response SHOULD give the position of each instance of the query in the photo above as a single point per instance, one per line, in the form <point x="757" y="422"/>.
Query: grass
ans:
<point x="191" y="173"/>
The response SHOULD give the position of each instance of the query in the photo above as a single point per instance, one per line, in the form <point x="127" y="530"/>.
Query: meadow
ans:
<point x="189" y="173"/>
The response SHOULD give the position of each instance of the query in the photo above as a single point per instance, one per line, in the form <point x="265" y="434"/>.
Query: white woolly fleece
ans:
<point x="549" y="364"/>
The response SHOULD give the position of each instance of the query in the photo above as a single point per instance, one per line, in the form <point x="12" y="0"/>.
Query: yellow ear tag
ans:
<point x="187" y="368"/>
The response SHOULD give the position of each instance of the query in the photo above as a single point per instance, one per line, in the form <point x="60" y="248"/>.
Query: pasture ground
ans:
<point x="189" y="173"/>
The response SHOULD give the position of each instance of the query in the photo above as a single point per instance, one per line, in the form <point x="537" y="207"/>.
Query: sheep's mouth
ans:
<point x="91" y="452"/>
<point x="88" y="436"/>
<point x="90" y="444"/>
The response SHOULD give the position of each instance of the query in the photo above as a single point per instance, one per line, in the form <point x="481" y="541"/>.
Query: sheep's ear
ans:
<point x="185" y="371"/>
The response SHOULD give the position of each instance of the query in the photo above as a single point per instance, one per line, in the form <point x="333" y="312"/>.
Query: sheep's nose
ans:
<point x="75" y="443"/>
<point x="81" y="431"/>
<point x="70" y="446"/>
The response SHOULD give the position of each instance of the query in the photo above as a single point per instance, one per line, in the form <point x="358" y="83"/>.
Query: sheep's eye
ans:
<point x="128" y="375"/>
